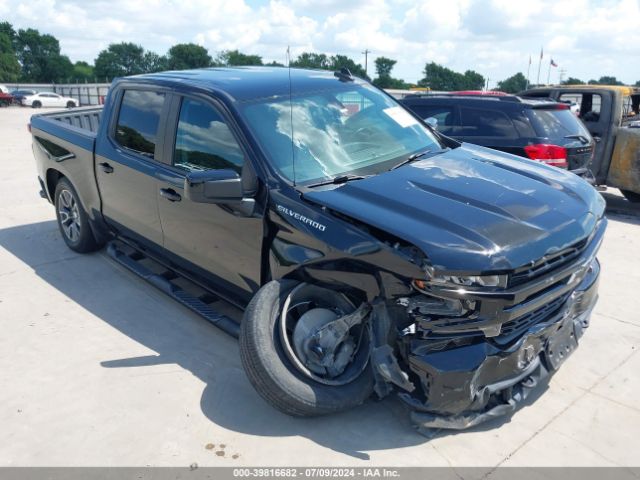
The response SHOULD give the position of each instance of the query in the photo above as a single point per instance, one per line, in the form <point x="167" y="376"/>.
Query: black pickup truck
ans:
<point x="369" y="252"/>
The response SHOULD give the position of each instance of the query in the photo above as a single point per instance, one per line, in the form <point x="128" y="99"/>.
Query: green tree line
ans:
<point x="26" y="55"/>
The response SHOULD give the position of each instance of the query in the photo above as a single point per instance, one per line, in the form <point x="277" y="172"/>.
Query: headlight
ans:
<point x="463" y="280"/>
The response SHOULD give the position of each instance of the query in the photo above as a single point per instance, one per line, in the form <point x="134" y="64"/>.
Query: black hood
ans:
<point x="473" y="209"/>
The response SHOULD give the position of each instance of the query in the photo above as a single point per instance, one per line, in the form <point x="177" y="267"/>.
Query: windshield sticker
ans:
<point x="301" y="218"/>
<point x="401" y="116"/>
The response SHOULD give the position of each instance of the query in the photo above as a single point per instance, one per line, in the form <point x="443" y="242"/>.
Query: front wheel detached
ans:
<point x="295" y="365"/>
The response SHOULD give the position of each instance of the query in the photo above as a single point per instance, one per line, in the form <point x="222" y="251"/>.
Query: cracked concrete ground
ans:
<point x="98" y="368"/>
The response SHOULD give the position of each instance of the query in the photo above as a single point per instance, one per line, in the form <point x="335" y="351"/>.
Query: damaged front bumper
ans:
<point x="456" y="375"/>
<point x="470" y="384"/>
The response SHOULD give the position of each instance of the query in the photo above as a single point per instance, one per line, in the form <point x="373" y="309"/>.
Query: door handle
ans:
<point x="597" y="138"/>
<point x="170" y="194"/>
<point x="106" y="168"/>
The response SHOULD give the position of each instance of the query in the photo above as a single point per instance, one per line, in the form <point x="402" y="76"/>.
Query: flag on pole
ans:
<point x="529" y="59"/>
<point x="541" y="54"/>
<point x="553" y="64"/>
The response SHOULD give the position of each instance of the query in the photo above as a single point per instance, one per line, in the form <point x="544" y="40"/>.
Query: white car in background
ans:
<point x="48" y="99"/>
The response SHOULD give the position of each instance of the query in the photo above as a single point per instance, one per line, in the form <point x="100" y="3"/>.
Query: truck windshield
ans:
<point x="349" y="129"/>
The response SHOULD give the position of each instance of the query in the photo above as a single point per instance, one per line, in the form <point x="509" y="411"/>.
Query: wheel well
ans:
<point x="53" y="177"/>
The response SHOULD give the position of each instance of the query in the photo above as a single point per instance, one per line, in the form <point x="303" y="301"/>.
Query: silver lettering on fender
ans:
<point x="301" y="218"/>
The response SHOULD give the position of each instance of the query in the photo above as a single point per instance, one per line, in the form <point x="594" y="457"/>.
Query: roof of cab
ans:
<point x="247" y="83"/>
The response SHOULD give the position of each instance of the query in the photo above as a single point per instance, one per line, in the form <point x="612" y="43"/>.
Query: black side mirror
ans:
<point x="213" y="186"/>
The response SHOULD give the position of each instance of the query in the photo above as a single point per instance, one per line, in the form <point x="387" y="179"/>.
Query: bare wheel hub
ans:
<point x="328" y="355"/>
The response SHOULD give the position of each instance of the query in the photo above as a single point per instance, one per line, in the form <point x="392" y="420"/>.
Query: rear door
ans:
<point x="212" y="240"/>
<point x="127" y="160"/>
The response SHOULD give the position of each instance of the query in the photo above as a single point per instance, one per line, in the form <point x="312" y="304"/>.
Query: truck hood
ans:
<point x="473" y="209"/>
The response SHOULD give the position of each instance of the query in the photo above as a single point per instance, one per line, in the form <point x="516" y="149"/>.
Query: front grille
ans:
<point x="548" y="264"/>
<point x="518" y="326"/>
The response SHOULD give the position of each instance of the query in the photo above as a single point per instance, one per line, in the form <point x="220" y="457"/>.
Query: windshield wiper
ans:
<point x="577" y="136"/>
<point x="418" y="155"/>
<point x="337" y="180"/>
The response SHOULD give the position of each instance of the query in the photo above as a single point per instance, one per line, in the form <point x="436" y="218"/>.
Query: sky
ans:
<point x="586" y="38"/>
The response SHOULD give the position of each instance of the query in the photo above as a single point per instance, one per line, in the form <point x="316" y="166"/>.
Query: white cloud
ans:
<point x="588" y="38"/>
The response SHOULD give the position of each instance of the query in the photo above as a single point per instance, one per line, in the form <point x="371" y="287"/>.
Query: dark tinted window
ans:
<point x="442" y="114"/>
<point x="204" y="141"/>
<point x="138" y="120"/>
<point x="556" y="123"/>
<point x="479" y="122"/>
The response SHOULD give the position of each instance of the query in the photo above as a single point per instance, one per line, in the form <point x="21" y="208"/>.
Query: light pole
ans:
<point x="366" y="56"/>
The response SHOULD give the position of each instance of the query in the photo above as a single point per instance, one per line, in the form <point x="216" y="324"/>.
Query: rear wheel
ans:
<point x="285" y="368"/>
<point x="73" y="221"/>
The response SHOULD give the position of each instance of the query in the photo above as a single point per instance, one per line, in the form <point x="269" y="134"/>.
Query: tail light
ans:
<point x="554" y="155"/>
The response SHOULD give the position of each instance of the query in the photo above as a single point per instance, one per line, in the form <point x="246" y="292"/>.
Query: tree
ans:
<point x="606" y="80"/>
<point x="187" y="55"/>
<point x="384" y="66"/>
<point x="152" y="62"/>
<point x="471" y="80"/>
<point x="274" y="64"/>
<point x="9" y="65"/>
<point x="572" y="81"/>
<point x="312" y="60"/>
<point x="7" y="29"/>
<point x="342" y="61"/>
<point x="40" y="57"/>
<point x="637" y="84"/>
<point x="236" y="58"/>
<point x="119" y="60"/>
<point x="82" y="72"/>
<point x="514" y="84"/>
<point x="438" y="77"/>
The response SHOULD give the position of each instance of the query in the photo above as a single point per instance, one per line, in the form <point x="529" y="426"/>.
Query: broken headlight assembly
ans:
<point x="437" y="279"/>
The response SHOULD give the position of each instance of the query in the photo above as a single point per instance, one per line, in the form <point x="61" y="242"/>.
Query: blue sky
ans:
<point x="587" y="39"/>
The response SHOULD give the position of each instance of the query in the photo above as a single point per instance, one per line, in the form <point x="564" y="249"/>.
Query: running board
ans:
<point x="164" y="282"/>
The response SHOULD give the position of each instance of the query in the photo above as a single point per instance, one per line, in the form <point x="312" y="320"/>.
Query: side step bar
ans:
<point x="163" y="281"/>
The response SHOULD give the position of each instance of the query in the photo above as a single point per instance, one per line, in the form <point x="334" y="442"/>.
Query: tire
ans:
<point x="73" y="221"/>
<point x="36" y="104"/>
<point x="70" y="104"/>
<point x="631" y="196"/>
<point x="273" y="374"/>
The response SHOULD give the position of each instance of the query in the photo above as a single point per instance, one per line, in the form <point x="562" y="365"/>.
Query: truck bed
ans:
<point x="83" y="118"/>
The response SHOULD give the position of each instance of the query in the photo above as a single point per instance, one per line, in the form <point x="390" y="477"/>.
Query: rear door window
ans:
<point x="138" y="121"/>
<point x="480" y="122"/>
<point x="550" y="123"/>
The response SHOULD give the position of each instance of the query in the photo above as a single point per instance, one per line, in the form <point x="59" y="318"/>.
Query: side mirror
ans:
<point x="213" y="186"/>
<point x="432" y="122"/>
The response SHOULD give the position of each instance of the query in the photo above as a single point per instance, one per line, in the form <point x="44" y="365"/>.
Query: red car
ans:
<point x="5" y="99"/>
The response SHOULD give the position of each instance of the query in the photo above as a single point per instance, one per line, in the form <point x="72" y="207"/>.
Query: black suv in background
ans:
<point x="540" y="130"/>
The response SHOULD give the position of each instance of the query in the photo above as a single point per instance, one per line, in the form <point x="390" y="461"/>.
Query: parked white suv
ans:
<point x="48" y="99"/>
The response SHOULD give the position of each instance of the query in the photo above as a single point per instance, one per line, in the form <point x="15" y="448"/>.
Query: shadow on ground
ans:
<point x="180" y="337"/>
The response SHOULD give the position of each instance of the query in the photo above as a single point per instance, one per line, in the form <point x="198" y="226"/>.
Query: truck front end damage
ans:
<point x="470" y="352"/>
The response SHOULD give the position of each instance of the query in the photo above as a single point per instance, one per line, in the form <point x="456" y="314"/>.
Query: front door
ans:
<point x="209" y="237"/>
